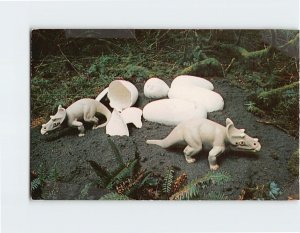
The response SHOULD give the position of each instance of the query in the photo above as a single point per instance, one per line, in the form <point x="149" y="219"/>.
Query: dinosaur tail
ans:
<point x="173" y="138"/>
<point x="156" y="142"/>
<point x="102" y="109"/>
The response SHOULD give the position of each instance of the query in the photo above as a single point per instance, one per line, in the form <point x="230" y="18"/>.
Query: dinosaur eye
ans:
<point x="254" y="144"/>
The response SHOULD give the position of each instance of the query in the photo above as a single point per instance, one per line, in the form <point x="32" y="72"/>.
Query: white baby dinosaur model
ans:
<point x="199" y="132"/>
<point x="81" y="110"/>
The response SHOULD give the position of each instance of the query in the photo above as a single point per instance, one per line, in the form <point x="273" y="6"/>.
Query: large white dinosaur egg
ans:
<point x="210" y="100"/>
<point x="172" y="111"/>
<point x="156" y="88"/>
<point x="188" y="80"/>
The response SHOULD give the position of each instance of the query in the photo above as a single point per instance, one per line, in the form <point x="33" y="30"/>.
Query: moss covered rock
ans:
<point x="293" y="163"/>
<point x="207" y="67"/>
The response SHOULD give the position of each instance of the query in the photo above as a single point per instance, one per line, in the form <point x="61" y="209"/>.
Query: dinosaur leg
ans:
<point x="93" y="120"/>
<point x="189" y="152"/>
<point x="193" y="147"/>
<point x="212" y="157"/>
<point x="89" y="116"/>
<point x="79" y="126"/>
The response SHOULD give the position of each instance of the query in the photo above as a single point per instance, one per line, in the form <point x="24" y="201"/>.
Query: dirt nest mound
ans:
<point x="70" y="154"/>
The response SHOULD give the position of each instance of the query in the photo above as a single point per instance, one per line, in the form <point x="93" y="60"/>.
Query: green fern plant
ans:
<point x="214" y="196"/>
<point x="103" y="174"/>
<point x="192" y="189"/>
<point x="53" y="175"/>
<point x="127" y="179"/>
<point x="85" y="191"/>
<point x="114" y="196"/>
<point x="168" y="181"/>
<point x="124" y="173"/>
<point x="117" y="155"/>
<point x="34" y="184"/>
<point x="42" y="178"/>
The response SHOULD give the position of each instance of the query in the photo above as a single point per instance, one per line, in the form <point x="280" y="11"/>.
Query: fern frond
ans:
<point x="218" y="177"/>
<point x="192" y="190"/>
<point x="114" y="196"/>
<point x="85" y="191"/>
<point x="124" y="173"/>
<point x="42" y="172"/>
<point x="101" y="172"/>
<point x="34" y="184"/>
<point x="53" y="174"/>
<point x="168" y="181"/>
<point x="117" y="155"/>
<point x="215" y="196"/>
<point x="179" y="182"/>
<point x="138" y="183"/>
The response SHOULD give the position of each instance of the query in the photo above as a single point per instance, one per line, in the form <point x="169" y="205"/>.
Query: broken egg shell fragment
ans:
<point x="122" y="94"/>
<point x="189" y="80"/>
<point x="156" y="88"/>
<point x="172" y="111"/>
<point x="102" y="94"/>
<point x="132" y="115"/>
<point x="116" y="125"/>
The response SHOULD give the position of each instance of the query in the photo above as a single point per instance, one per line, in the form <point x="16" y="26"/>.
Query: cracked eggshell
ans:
<point x="212" y="101"/>
<point x="121" y="94"/>
<point x="102" y="94"/>
<point x="187" y="80"/>
<point x="116" y="125"/>
<point x="156" y="88"/>
<point x="172" y="111"/>
<point x="132" y="115"/>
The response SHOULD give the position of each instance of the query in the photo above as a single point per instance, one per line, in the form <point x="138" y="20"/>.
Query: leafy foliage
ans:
<point x="115" y="196"/>
<point x="293" y="163"/>
<point x="251" y="107"/>
<point x="116" y="152"/>
<point x="43" y="178"/>
<point x="85" y="191"/>
<point x="215" y="196"/>
<point x="269" y="191"/>
<point x="122" y="174"/>
<point x="127" y="179"/>
<point x="274" y="190"/>
<point x="35" y="184"/>
<point x="192" y="189"/>
<point x="168" y="181"/>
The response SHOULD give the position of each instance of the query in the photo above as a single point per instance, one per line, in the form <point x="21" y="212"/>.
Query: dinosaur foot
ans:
<point x="214" y="167"/>
<point x="190" y="160"/>
<point x="81" y="134"/>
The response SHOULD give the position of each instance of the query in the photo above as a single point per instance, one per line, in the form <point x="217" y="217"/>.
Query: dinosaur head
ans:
<point x="239" y="140"/>
<point x="55" y="121"/>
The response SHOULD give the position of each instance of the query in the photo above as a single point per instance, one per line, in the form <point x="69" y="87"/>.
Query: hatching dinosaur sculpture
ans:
<point x="83" y="109"/>
<point x="199" y="132"/>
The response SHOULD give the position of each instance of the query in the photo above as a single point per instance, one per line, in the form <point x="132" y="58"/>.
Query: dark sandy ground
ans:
<point x="70" y="153"/>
